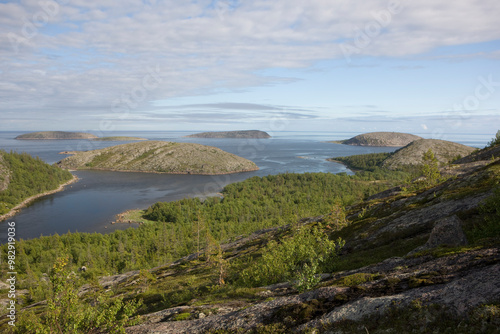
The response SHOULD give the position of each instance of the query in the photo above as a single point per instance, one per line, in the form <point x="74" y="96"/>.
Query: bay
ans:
<point x="91" y="204"/>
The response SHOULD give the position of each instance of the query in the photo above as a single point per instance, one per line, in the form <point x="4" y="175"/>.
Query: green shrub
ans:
<point x="495" y="140"/>
<point x="297" y="259"/>
<point x="67" y="313"/>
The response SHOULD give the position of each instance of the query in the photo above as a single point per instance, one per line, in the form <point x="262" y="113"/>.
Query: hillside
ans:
<point x="390" y="139"/>
<point x="160" y="157"/>
<point x="247" y="134"/>
<point x="52" y="135"/>
<point x="407" y="261"/>
<point x="23" y="178"/>
<point x="444" y="151"/>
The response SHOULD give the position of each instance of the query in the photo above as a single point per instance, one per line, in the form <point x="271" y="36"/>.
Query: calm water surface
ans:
<point x="91" y="204"/>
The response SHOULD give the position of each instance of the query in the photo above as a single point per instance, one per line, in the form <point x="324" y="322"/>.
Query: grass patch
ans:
<point x="356" y="279"/>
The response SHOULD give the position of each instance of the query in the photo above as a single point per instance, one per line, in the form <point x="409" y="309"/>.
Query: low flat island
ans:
<point x="245" y="134"/>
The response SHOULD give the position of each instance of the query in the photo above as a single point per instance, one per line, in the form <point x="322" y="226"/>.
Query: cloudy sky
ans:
<point x="427" y="66"/>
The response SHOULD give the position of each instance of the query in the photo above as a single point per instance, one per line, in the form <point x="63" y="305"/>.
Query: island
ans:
<point x="119" y="138"/>
<point x="160" y="157"/>
<point x="412" y="154"/>
<point x="381" y="139"/>
<point x="245" y="134"/>
<point x="56" y="135"/>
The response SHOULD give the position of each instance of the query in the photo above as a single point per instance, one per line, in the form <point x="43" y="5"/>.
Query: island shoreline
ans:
<point x="15" y="210"/>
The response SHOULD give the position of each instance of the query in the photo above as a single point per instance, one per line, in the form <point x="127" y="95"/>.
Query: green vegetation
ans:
<point x="367" y="162"/>
<point x="495" y="141"/>
<point x="430" y="169"/>
<point x="187" y="225"/>
<point x="28" y="177"/>
<point x="298" y="259"/>
<point x="290" y="249"/>
<point x="66" y="314"/>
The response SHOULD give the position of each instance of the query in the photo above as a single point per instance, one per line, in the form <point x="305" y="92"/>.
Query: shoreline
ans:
<point x="15" y="210"/>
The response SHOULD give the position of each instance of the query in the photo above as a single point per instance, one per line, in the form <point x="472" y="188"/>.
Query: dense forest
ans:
<point x="369" y="161"/>
<point x="28" y="176"/>
<point x="188" y="225"/>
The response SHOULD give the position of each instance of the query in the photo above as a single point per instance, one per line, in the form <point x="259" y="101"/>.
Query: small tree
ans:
<point x="297" y="259"/>
<point x="430" y="169"/>
<point x="67" y="313"/>
<point x="495" y="140"/>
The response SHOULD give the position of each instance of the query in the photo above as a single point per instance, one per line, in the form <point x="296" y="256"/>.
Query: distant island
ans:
<point x="246" y="134"/>
<point x="160" y="157"/>
<point x="58" y="135"/>
<point x="444" y="151"/>
<point x="382" y="139"/>
<point x="118" y="138"/>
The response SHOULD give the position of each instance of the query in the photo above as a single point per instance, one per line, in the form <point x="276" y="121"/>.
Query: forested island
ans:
<point x="246" y="134"/>
<point x="23" y="178"/>
<point x="56" y="135"/>
<point x="160" y="157"/>
<point x="381" y="139"/>
<point x="402" y="251"/>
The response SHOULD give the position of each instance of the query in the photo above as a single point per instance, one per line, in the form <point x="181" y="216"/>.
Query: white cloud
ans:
<point x="92" y="53"/>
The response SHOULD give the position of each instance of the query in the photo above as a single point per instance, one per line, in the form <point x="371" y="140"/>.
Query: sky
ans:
<point x="428" y="67"/>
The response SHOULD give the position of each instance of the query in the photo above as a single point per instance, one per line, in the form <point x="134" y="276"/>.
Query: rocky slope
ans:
<point x="160" y="157"/>
<point x="247" y="134"/>
<point x="391" y="139"/>
<point x="50" y="135"/>
<point x="415" y="258"/>
<point x="411" y="154"/>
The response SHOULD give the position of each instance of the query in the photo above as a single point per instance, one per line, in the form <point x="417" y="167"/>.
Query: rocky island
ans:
<point x="56" y="135"/>
<point x="246" y="134"/>
<point x="160" y="157"/>
<point x="382" y="139"/>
